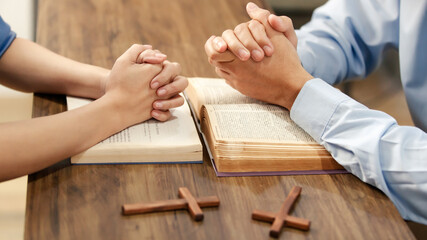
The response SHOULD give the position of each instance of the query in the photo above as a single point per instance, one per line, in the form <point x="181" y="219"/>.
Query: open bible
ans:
<point x="248" y="136"/>
<point x="173" y="141"/>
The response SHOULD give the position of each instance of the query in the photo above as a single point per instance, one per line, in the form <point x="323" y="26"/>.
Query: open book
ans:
<point x="245" y="135"/>
<point x="173" y="141"/>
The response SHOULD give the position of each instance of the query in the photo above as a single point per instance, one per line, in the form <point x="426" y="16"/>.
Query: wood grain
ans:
<point x="195" y="211"/>
<point x="283" y="214"/>
<point x="167" y="205"/>
<point x="83" y="202"/>
<point x="291" y="221"/>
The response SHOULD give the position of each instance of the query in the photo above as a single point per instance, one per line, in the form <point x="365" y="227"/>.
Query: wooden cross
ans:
<point x="186" y="201"/>
<point x="282" y="218"/>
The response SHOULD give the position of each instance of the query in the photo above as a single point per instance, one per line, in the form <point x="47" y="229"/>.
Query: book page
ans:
<point x="217" y="91"/>
<point x="207" y="91"/>
<point x="258" y="123"/>
<point x="178" y="131"/>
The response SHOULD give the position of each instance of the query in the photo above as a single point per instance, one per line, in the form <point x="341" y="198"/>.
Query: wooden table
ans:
<point x="84" y="202"/>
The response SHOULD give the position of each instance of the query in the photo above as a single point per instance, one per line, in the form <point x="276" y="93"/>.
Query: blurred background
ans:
<point x="382" y="91"/>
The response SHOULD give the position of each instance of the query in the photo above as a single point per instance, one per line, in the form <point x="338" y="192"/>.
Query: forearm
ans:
<point x="29" y="146"/>
<point x="28" y="67"/>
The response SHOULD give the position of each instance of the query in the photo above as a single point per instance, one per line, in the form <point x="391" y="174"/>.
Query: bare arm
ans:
<point x="31" y="145"/>
<point x="29" y="67"/>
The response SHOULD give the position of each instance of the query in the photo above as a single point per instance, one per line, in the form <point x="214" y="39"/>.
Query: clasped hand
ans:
<point x="259" y="58"/>
<point x="144" y="84"/>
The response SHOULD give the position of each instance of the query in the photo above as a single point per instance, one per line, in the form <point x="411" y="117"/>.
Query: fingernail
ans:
<point x="155" y="85"/>
<point x="158" y="105"/>
<point x="161" y="92"/>
<point x="281" y="21"/>
<point x="268" y="50"/>
<point x="160" y="55"/>
<point x="154" y="114"/>
<point x="243" y="54"/>
<point x="218" y="44"/>
<point x="252" y="6"/>
<point x="257" y="55"/>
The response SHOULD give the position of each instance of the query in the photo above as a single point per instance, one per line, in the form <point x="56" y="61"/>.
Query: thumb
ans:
<point x="134" y="51"/>
<point x="284" y="25"/>
<point x="261" y="15"/>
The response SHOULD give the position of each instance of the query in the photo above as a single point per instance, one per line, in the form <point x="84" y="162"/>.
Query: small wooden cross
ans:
<point x="186" y="201"/>
<point x="282" y="218"/>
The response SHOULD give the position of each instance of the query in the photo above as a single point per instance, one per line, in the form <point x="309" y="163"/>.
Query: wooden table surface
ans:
<point x="84" y="202"/>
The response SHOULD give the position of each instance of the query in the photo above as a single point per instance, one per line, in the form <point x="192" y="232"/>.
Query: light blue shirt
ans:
<point x="346" y="39"/>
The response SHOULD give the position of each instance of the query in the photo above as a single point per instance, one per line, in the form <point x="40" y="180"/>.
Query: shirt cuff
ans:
<point x="315" y="105"/>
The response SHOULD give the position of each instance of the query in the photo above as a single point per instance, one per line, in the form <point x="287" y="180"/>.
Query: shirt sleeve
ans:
<point x="349" y="35"/>
<point x="369" y="144"/>
<point x="6" y="36"/>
